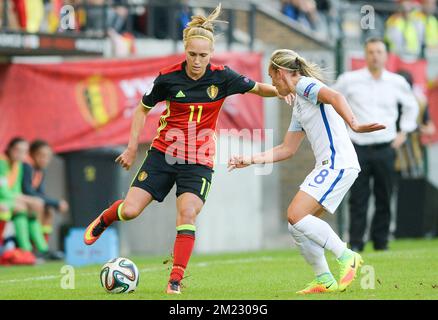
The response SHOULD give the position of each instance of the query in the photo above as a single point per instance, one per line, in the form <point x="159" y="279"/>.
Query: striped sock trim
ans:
<point x="186" y="229"/>
<point x="190" y="227"/>
<point x="119" y="212"/>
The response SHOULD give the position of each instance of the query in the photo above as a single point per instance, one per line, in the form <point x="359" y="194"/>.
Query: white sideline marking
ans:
<point x="145" y="270"/>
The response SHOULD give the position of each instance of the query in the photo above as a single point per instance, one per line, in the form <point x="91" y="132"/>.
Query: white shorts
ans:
<point x="329" y="186"/>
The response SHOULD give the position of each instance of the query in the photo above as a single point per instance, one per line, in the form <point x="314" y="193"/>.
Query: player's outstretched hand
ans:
<point x="369" y="127"/>
<point x="289" y="99"/>
<point x="237" y="162"/>
<point x="127" y="158"/>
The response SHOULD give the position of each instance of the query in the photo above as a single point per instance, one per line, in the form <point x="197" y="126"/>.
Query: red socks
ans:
<point x="185" y="240"/>
<point x="111" y="214"/>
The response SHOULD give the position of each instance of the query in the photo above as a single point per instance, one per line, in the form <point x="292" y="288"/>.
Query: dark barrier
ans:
<point x="94" y="181"/>
<point x="417" y="209"/>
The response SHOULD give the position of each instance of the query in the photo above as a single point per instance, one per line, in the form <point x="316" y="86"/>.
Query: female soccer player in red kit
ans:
<point x="183" y="150"/>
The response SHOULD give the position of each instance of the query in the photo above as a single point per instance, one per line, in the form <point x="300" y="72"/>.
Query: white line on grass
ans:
<point x="145" y="270"/>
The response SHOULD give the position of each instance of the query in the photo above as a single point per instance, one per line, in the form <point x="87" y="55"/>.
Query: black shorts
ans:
<point x="157" y="176"/>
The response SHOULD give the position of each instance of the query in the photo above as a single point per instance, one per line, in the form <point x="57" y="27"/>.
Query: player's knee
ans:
<point x="130" y="211"/>
<point x="19" y="206"/>
<point x="292" y="216"/>
<point x="187" y="215"/>
<point x="37" y="205"/>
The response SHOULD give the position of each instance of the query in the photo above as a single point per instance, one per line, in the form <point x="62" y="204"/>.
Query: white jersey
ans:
<point x="324" y="127"/>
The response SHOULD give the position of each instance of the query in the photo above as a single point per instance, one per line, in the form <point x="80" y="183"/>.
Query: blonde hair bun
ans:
<point x="201" y="26"/>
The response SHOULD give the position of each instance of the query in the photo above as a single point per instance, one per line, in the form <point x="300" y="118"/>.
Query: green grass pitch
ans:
<point x="407" y="271"/>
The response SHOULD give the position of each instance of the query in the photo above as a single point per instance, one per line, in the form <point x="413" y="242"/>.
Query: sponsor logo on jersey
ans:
<point x="180" y="94"/>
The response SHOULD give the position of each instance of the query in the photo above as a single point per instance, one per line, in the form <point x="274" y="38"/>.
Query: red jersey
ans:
<point x="186" y="129"/>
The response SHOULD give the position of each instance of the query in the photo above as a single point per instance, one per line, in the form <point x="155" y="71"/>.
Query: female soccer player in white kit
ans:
<point x="318" y="113"/>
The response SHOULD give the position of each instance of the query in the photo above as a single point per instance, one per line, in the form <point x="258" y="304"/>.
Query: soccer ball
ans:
<point x="119" y="275"/>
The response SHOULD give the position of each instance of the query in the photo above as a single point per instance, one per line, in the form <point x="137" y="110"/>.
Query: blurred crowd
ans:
<point x="54" y="15"/>
<point x="407" y="32"/>
<point x="26" y="211"/>
<point x="413" y="28"/>
<point x="309" y="13"/>
<point x="410" y="30"/>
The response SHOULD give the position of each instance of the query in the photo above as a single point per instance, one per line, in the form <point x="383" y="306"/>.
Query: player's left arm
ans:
<point x="237" y="83"/>
<point x="340" y="104"/>
<point x="264" y="90"/>
<point x="267" y="90"/>
<point x="291" y="142"/>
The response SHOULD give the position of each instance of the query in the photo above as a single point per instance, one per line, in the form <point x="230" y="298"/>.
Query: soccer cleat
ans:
<point x="173" y="287"/>
<point x="349" y="263"/>
<point x="324" y="283"/>
<point x="94" y="230"/>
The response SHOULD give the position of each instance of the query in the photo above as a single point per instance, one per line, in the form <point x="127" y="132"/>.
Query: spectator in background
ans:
<point x="411" y="157"/>
<point x="184" y="16"/>
<point x="117" y="16"/>
<point x="25" y="209"/>
<point x="20" y="12"/>
<point x="12" y="20"/>
<point x="30" y="14"/>
<point x="427" y="24"/>
<point x="122" y="41"/>
<point x="373" y="93"/>
<point x="289" y="9"/>
<point x="95" y="14"/>
<point x="401" y="33"/>
<point x="310" y="14"/>
<point x="302" y="11"/>
<point x="33" y="183"/>
<point x="34" y="15"/>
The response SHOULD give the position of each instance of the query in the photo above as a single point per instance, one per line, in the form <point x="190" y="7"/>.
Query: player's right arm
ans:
<point x="127" y="158"/>
<point x="291" y="142"/>
<point x="149" y="100"/>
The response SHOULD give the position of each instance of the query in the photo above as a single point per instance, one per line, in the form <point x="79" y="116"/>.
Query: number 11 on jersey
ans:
<point x="192" y="112"/>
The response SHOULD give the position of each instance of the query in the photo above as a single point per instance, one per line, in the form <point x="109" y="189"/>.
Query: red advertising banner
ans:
<point x="77" y="105"/>
<point x="432" y="97"/>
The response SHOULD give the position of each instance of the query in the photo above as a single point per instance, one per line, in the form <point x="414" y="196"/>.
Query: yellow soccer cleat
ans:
<point x="349" y="263"/>
<point x="324" y="283"/>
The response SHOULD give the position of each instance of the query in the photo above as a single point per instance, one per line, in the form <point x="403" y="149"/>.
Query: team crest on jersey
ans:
<point x="212" y="91"/>
<point x="142" y="176"/>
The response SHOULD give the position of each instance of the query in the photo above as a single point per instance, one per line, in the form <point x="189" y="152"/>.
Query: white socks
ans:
<point x="312" y="252"/>
<point x="321" y="233"/>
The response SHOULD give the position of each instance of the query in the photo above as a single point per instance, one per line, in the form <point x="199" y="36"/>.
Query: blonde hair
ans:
<point x="291" y="61"/>
<point x="202" y="27"/>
